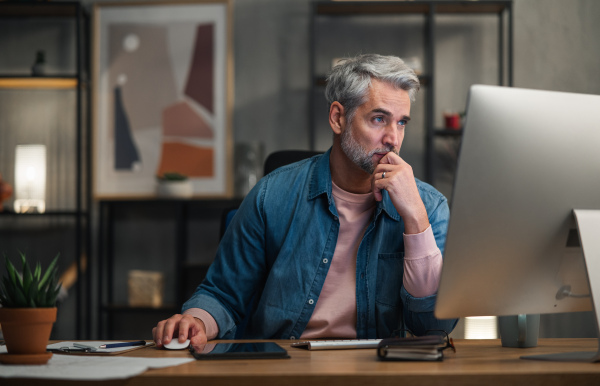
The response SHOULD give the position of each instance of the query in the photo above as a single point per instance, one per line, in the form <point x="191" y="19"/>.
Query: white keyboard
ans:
<point x="337" y="344"/>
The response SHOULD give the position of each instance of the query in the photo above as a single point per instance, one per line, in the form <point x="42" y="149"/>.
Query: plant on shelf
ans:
<point x="28" y="311"/>
<point x="174" y="185"/>
<point x="172" y="176"/>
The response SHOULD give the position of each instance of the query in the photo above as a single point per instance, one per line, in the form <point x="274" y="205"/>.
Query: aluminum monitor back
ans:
<point x="528" y="158"/>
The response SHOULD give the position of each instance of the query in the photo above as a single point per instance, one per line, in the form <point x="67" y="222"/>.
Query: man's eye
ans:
<point x="402" y="122"/>
<point x="378" y="119"/>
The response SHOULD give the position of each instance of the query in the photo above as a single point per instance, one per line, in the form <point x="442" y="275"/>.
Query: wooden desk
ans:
<point x="476" y="362"/>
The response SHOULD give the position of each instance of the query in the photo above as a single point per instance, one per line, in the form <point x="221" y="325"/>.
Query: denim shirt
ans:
<point x="273" y="259"/>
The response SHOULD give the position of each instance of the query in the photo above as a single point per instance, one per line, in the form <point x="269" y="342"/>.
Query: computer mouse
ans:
<point x="175" y="345"/>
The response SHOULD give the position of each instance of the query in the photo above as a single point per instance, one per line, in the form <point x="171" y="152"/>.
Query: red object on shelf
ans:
<point x="6" y="191"/>
<point x="452" y="120"/>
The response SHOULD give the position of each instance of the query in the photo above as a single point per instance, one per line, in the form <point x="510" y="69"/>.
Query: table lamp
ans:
<point x="30" y="179"/>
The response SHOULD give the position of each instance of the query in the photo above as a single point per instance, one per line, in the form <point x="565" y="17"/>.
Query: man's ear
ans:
<point x="337" y="117"/>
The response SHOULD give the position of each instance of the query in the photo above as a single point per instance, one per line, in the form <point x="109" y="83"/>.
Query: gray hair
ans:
<point x="349" y="81"/>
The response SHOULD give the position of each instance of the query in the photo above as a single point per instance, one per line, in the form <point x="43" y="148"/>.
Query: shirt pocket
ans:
<point x="390" y="270"/>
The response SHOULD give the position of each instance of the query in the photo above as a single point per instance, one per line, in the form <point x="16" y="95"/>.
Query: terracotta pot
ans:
<point x="27" y="330"/>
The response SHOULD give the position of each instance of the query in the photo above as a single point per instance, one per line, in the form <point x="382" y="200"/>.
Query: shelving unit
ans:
<point x="429" y="10"/>
<point x="168" y="248"/>
<point x="75" y="216"/>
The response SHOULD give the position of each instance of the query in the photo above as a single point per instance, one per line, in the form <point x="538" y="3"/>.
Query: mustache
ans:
<point x="386" y="149"/>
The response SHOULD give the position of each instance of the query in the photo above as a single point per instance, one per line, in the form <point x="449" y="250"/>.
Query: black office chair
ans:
<point x="285" y="157"/>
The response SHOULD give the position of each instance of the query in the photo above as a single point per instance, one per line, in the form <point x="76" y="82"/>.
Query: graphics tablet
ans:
<point x="257" y="350"/>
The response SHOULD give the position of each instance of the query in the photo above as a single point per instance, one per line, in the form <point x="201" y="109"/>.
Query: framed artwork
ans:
<point x="162" y="100"/>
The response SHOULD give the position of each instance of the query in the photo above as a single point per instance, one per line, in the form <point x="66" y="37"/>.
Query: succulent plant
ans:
<point x="172" y="176"/>
<point x="29" y="289"/>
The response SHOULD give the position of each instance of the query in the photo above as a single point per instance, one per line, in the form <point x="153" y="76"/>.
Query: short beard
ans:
<point x="358" y="154"/>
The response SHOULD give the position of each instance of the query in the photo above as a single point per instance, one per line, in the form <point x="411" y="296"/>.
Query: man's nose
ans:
<point x="390" y="138"/>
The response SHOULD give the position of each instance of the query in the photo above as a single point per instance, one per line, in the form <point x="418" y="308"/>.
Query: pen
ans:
<point x="125" y="344"/>
<point x="85" y="347"/>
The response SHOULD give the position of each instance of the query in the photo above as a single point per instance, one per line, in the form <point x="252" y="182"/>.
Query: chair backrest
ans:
<point x="286" y="157"/>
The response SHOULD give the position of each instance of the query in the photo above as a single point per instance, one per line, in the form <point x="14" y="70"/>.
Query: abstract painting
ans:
<point x="162" y="99"/>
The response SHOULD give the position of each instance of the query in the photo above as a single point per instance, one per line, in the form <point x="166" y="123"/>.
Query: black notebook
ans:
<point x="420" y="348"/>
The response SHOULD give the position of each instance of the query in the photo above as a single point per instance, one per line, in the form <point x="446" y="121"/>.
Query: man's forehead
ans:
<point x="388" y="99"/>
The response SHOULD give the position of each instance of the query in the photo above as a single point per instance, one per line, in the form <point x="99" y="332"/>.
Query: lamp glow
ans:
<point x="481" y="327"/>
<point x="30" y="179"/>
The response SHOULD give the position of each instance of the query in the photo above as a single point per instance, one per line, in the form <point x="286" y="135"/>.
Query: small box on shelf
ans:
<point x="146" y="288"/>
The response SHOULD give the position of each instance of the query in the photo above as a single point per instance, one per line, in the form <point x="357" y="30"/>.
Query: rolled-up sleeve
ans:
<point x="212" y="329"/>
<point x="422" y="264"/>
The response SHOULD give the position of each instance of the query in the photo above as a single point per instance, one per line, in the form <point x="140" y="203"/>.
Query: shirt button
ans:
<point x="310" y="301"/>
<point x="325" y="261"/>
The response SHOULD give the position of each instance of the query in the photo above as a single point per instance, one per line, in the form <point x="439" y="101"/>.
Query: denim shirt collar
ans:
<point x="320" y="183"/>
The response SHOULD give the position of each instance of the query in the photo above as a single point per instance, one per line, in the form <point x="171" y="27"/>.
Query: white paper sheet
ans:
<point x="80" y="367"/>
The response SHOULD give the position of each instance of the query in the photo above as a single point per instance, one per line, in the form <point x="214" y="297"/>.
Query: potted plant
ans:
<point x="28" y="311"/>
<point x="174" y="185"/>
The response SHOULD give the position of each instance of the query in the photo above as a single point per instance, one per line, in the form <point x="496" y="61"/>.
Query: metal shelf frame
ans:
<point x="81" y="213"/>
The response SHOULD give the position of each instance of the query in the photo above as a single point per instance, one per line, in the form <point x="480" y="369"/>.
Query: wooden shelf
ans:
<point x="38" y="83"/>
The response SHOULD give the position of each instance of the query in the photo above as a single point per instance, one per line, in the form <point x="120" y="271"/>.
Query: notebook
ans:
<point x="422" y="348"/>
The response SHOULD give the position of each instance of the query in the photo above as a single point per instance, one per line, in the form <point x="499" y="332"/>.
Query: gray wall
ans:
<point x="555" y="49"/>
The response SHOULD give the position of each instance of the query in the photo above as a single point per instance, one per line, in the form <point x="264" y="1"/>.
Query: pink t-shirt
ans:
<point x="335" y="312"/>
<point x="334" y="315"/>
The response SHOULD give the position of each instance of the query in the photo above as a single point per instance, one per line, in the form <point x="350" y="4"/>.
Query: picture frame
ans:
<point x="162" y="98"/>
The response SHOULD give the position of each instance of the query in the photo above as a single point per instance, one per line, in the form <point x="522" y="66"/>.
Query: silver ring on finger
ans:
<point x="383" y="175"/>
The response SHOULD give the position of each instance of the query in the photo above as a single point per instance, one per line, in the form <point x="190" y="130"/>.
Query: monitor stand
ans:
<point x="588" y="222"/>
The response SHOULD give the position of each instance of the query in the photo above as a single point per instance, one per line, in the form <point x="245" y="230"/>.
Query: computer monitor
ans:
<point x="528" y="158"/>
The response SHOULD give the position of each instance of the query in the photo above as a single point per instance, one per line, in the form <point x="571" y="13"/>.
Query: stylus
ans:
<point x="125" y="344"/>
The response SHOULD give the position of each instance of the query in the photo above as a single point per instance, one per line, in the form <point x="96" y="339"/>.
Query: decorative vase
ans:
<point x="26" y="333"/>
<point x="174" y="189"/>
<point x="38" y="68"/>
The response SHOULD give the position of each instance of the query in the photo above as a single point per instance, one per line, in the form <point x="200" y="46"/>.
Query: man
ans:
<point x="343" y="245"/>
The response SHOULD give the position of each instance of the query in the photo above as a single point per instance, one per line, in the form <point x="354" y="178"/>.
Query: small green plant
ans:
<point x="172" y="176"/>
<point x="29" y="289"/>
